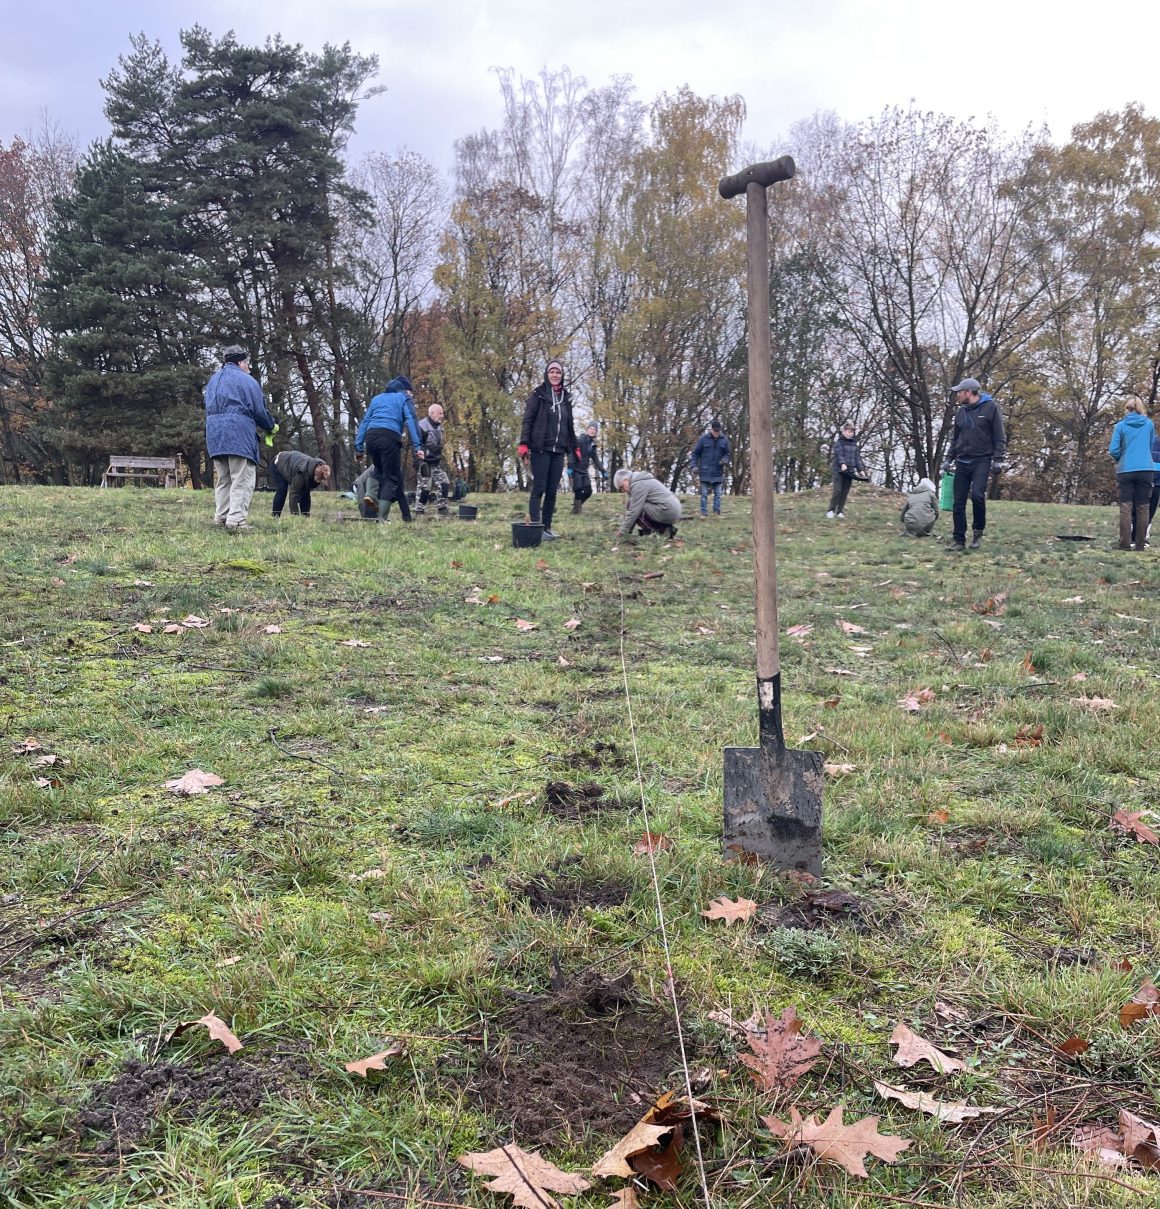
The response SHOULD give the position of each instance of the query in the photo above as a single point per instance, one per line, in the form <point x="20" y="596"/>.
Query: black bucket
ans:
<point x="525" y="536"/>
<point x="468" y="512"/>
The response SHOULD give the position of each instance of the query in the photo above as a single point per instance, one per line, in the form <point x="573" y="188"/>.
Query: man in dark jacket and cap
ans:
<point x="296" y="474"/>
<point x="708" y="459"/>
<point x="585" y="455"/>
<point x="234" y="411"/>
<point x="978" y="446"/>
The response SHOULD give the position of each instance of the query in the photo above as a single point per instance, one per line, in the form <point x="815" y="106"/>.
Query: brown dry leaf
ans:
<point x="935" y="817"/>
<point x="193" y="782"/>
<point x="784" y="1054"/>
<point x="226" y="962"/>
<point x="525" y="626"/>
<point x="1029" y="736"/>
<point x="353" y="642"/>
<point x="1129" y="822"/>
<point x="1141" y="1139"/>
<point x="47" y="782"/>
<point x="954" y="1111"/>
<point x="653" y="575"/>
<point x="215" y="1026"/>
<point x="838" y="770"/>
<point x="541" y="564"/>
<point x="573" y="623"/>
<point x="493" y="599"/>
<point x="455" y="564"/>
<point x="172" y="628"/>
<point x="916" y="699"/>
<point x="272" y="629"/>
<point x="624" y="1198"/>
<point x="193" y="622"/>
<point x="524" y="1175"/>
<point x="913" y="1049"/>
<point x="473" y="597"/>
<point x="651" y="841"/>
<point x="370" y="875"/>
<point x="57" y="582"/>
<point x="1043" y="1132"/>
<point x="1145" y="1002"/>
<point x="832" y="702"/>
<point x="663" y="1167"/>
<point x="143" y="628"/>
<point x="1080" y="677"/>
<point x="799" y="877"/>
<point x="1096" y="1139"/>
<point x="844" y="1145"/>
<point x="515" y="797"/>
<point x="848" y="627"/>
<point x="1028" y="665"/>
<point x="741" y="1027"/>
<point x="730" y="910"/>
<point x="799" y="631"/>
<point x="642" y="1136"/>
<point x="1094" y="705"/>
<point x="1072" y="1047"/>
<point x="376" y="1061"/>
<point x="48" y="762"/>
<point x="562" y="661"/>
<point x="25" y="746"/>
<point x="994" y="606"/>
<point x="986" y="655"/>
<point x="1123" y="965"/>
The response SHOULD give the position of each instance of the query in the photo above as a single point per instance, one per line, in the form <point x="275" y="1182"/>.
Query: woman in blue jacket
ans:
<point x="1131" y="446"/>
<point x="381" y="434"/>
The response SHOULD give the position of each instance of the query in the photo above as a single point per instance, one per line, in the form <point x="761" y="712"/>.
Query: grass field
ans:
<point x="423" y="841"/>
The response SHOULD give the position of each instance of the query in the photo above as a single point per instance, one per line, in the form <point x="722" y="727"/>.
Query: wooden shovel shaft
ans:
<point x="761" y="462"/>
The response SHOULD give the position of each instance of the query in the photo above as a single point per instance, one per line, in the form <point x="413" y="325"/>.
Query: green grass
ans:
<point x="422" y="758"/>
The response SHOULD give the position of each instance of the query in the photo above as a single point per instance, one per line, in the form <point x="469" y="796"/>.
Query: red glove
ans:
<point x="522" y="451"/>
<point x="577" y="452"/>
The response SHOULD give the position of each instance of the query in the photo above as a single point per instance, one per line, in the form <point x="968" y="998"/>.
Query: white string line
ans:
<point x="661" y="910"/>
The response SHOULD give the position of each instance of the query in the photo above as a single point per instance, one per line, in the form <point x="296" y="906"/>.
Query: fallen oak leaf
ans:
<point x="730" y="910"/>
<point x="193" y="622"/>
<point x="799" y="631"/>
<point x="143" y="628"/>
<point x="1080" y="677"/>
<point x="624" y="1198"/>
<point x="1141" y="1139"/>
<point x="524" y="1175"/>
<point x="215" y="1026"/>
<point x="839" y="770"/>
<point x="25" y="746"/>
<point x="937" y="817"/>
<point x="642" y="1136"/>
<point x="1129" y="822"/>
<point x="848" y="627"/>
<point x="1145" y="1002"/>
<point x="573" y="623"/>
<point x="376" y="1061"/>
<point x="272" y="629"/>
<point x="784" y="1054"/>
<point x="1029" y="736"/>
<point x="832" y="702"/>
<point x="662" y="1166"/>
<point x="226" y="962"/>
<point x="844" y="1145"/>
<point x="172" y="628"/>
<point x="525" y="626"/>
<point x="993" y="605"/>
<point x="1073" y="1047"/>
<point x="1099" y="1140"/>
<point x="193" y="782"/>
<point x="1043" y="1132"/>
<point x="48" y="761"/>
<point x="1094" y="705"/>
<point x="651" y="841"/>
<point x="916" y="699"/>
<point x="913" y="1049"/>
<point x="353" y="642"/>
<point x="954" y="1111"/>
<point x="1027" y="664"/>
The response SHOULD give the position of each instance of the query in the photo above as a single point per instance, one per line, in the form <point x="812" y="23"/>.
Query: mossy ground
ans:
<point x="424" y="758"/>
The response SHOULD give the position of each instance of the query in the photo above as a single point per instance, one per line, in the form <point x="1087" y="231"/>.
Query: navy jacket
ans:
<point x="846" y="453"/>
<point x="391" y="410"/>
<point x="978" y="432"/>
<point x="708" y="456"/>
<point x="588" y="455"/>
<point x="234" y="411"/>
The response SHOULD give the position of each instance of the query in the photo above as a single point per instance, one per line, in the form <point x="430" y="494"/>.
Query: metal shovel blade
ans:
<point x="773" y="806"/>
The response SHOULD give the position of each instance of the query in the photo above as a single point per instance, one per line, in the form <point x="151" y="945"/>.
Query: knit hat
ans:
<point x="402" y="382"/>
<point x="233" y="354"/>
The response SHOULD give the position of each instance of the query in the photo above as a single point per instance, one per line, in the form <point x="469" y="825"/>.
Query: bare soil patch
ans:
<point x="589" y="1059"/>
<point x="567" y="801"/>
<point x="569" y="892"/>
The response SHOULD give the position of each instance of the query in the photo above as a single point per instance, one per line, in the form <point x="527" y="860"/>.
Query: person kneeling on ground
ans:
<point x="296" y="474"/>
<point x="920" y="512"/>
<point x="651" y="506"/>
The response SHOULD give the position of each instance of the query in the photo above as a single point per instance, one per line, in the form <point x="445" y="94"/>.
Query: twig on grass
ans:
<point x="410" y="1198"/>
<point x="273" y="734"/>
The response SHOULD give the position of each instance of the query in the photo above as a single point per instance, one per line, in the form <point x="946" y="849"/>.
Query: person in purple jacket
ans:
<point x="234" y="411"/>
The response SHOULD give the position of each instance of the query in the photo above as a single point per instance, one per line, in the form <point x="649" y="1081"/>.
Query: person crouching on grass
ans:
<point x="650" y="506"/>
<point x="920" y="512"/>
<point x="296" y="474"/>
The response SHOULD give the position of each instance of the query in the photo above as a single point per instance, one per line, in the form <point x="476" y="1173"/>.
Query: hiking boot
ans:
<point x="956" y="547"/>
<point x="576" y="504"/>
<point x="976" y="538"/>
<point x="549" y="536"/>
<point x="672" y="532"/>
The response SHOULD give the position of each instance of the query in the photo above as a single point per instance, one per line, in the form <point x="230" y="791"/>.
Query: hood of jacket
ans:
<point x="925" y="485"/>
<point x="399" y="385"/>
<point x="563" y="374"/>
<point x="1134" y="420"/>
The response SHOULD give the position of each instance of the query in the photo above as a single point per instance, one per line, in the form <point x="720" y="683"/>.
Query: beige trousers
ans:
<point x="233" y="488"/>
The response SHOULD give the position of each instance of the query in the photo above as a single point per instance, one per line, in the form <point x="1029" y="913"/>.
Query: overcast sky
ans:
<point x="1026" y="63"/>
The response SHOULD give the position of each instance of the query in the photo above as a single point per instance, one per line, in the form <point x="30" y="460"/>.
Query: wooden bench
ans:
<point x="155" y="472"/>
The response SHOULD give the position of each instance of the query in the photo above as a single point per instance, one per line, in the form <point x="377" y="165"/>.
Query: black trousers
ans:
<point x="385" y="449"/>
<point x="581" y="485"/>
<point x="842" y="484"/>
<point x="546" y="470"/>
<point x="970" y="480"/>
<point x="1135" y="496"/>
<point x="281" y="485"/>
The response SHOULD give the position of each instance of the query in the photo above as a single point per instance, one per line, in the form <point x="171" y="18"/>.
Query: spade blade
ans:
<point x="773" y="806"/>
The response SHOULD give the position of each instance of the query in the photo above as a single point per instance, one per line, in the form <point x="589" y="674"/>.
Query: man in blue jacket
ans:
<point x="381" y="434"/>
<point x="708" y="459"/>
<point x="234" y="411"/>
<point x="978" y="446"/>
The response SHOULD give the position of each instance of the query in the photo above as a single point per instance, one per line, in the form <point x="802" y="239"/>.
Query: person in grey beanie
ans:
<point x="978" y="446"/>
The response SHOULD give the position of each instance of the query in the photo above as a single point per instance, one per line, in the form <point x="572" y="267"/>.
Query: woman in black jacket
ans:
<point x="547" y="437"/>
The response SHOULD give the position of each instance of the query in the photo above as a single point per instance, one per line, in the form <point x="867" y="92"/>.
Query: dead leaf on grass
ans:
<point x="953" y="1111"/>
<point x="1145" y="1002"/>
<point x="662" y="1166"/>
<point x="1129" y="822"/>
<point x="215" y="1026"/>
<point x="994" y="606"/>
<point x="848" y="627"/>
<point x="1094" y="705"/>
<point x="642" y="1136"/>
<point x="226" y="962"/>
<point x="1104" y="1143"/>
<point x="723" y="1017"/>
<point x="573" y="623"/>
<point x="784" y="1054"/>
<point x="832" y="702"/>
<point x="1029" y="736"/>
<point x="25" y="746"/>
<point x="1141" y="1139"/>
<point x="1044" y="1131"/>
<point x="193" y="622"/>
<point x="653" y="575"/>
<point x="47" y="782"/>
<point x="376" y="1061"/>
<point x="48" y="761"/>
<point x="193" y="782"/>
<point x="525" y="626"/>
<point x="370" y="875"/>
<point x="1073" y="1047"/>
<point x="624" y="1198"/>
<point x="143" y="628"/>
<point x="844" y="1145"/>
<point x="272" y="629"/>
<point x="473" y="597"/>
<point x="493" y="599"/>
<point x="1080" y="677"/>
<point x="1028" y="665"/>
<point x="937" y="817"/>
<point x="525" y="1176"/>
<point x="541" y="564"/>
<point x="172" y="628"/>
<point x="839" y="770"/>
<point x="913" y="1049"/>
<point x="916" y="699"/>
<point x="353" y="642"/>
<point x="651" y="841"/>
<point x="730" y="910"/>
<point x="455" y="564"/>
<point x="799" y="631"/>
